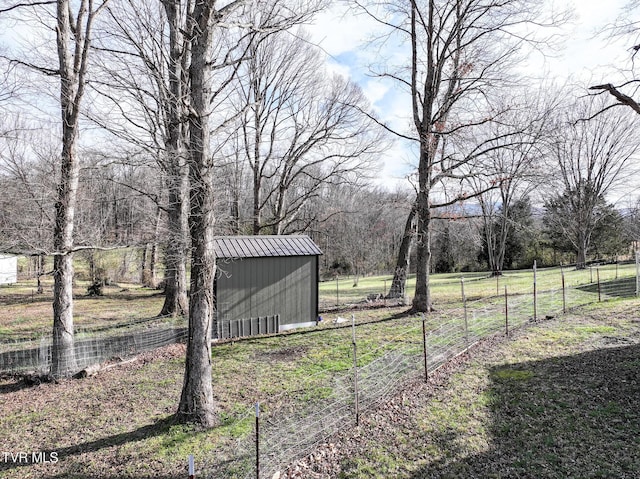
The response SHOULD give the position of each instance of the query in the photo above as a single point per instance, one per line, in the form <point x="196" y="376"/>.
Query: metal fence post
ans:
<point x="535" y="290"/>
<point x="257" y="440"/>
<point x="424" y="348"/>
<point x="337" y="292"/>
<point x="355" y="368"/>
<point x="466" y="318"/>
<point x="506" y="311"/>
<point x="599" y="288"/>
<point x="564" y="295"/>
<point x="192" y="469"/>
<point x="637" y="273"/>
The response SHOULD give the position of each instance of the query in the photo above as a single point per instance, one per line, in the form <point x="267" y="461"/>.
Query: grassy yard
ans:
<point x="559" y="400"/>
<point x="26" y="314"/>
<point x="119" y="422"/>
<point x="446" y="288"/>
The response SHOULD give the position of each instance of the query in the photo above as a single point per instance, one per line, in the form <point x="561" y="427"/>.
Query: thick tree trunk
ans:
<point x="581" y="257"/>
<point x="63" y="360"/>
<point x="176" y="302"/>
<point x="422" y="297"/>
<point x="196" y="401"/>
<point x="63" y="363"/>
<point x="399" y="282"/>
<point x="72" y="71"/>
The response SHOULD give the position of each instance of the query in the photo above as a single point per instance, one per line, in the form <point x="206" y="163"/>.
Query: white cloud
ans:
<point x="375" y="90"/>
<point x="340" y="29"/>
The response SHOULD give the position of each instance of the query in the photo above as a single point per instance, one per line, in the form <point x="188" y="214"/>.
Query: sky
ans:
<point x="586" y="59"/>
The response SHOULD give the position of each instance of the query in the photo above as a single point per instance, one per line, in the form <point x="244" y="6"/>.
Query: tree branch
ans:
<point x="621" y="97"/>
<point x="26" y="4"/>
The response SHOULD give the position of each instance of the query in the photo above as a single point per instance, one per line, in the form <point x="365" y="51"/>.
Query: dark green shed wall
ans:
<point x="255" y="287"/>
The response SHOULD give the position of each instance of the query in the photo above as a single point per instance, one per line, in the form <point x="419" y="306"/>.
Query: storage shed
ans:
<point x="8" y="269"/>
<point x="265" y="284"/>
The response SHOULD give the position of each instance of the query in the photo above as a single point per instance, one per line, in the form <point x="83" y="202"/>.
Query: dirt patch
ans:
<point x="283" y="354"/>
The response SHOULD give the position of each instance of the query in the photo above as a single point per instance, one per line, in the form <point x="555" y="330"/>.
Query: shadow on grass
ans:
<point x="621" y="288"/>
<point x="566" y="417"/>
<point x="151" y="430"/>
<point x="18" y="383"/>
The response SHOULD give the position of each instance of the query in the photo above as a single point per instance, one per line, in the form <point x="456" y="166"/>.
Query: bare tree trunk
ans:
<point x="176" y="302"/>
<point x="144" y="268"/>
<point x="581" y="254"/>
<point x="73" y="49"/>
<point x="398" y="285"/>
<point x="40" y="273"/>
<point x="257" y="180"/>
<point x="422" y="297"/>
<point x="196" y="401"/>
<point x="152" y="279"/>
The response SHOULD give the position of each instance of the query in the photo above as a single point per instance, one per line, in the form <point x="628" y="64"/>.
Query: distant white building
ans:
<point x="8" y="269"/>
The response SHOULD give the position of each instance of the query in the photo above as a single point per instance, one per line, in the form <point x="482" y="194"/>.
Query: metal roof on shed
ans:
<point x="265" y="246"/>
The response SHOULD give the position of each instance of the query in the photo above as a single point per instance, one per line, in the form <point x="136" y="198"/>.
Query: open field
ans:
<point x="564" y="394"/>
<point x="26" y="314"/>
<point x="446" y="288"/>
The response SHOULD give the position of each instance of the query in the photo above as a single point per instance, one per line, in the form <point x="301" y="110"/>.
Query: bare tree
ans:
<point x="73" y="39"/>
<point x="460" y="53"/>
<point x="216" y="56"/>
<point x="591" y="159"/>
<point x="515" y="170"/>
<point x="28" y="171"/>
<point x="143" y="73"/>
<point x="300" y="128"/>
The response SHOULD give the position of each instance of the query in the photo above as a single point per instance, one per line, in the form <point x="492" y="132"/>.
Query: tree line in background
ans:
<point x="161" y="124"/>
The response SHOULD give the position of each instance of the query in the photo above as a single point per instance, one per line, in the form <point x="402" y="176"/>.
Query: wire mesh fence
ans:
<point x="331" y="401"/>
<point x="617" y="278"/>
<point x="92" y="346"/>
